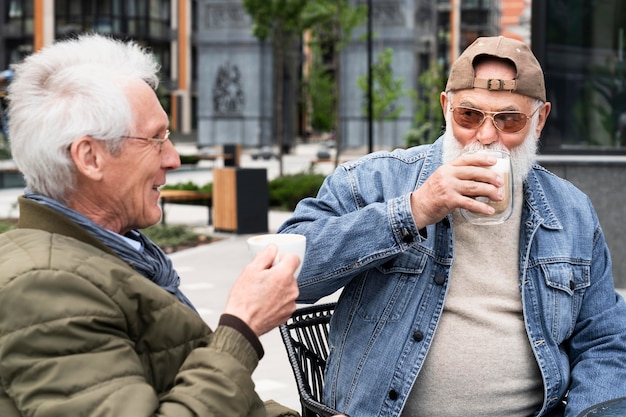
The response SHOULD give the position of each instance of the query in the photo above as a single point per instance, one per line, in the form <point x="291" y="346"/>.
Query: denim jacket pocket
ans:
<point x="565" y="286"/>
<point x="387" y="290"/>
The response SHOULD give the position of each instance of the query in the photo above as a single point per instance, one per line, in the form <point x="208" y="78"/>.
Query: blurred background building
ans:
<point x="219" y="79"/>
<point x="220" y="83"/>
<point x="163" y="25"/>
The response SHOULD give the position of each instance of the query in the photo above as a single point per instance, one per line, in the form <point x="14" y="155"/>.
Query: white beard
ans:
<point x="522" y="157"/>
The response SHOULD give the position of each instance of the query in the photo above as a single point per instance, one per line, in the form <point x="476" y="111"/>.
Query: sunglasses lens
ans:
<point x="468" y="118"/>
<point x="510" y="122"/>
<point x="507" y="121"/>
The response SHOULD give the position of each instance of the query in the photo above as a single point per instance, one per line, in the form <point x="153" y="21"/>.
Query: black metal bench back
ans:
<point x="305" y="336"/>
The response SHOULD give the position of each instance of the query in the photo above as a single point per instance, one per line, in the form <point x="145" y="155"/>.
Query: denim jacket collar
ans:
<point x="537" y="203"/>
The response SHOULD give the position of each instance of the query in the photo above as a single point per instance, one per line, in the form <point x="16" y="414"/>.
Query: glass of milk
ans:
<point x="503" y="208"/>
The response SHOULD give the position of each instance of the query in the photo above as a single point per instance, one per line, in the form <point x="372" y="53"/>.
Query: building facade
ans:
<point x="210" y="57"/>
<point x="421" y="33"/>
<point x="163" y="25"/>
<point x="235" y="77"/>
<point x="201" y="44"/>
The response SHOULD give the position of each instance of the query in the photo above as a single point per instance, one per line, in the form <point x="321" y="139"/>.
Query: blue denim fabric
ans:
<point x="361" y="237"/>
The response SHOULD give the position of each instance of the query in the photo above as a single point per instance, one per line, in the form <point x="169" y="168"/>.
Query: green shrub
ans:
<point x="7" y="224"/>
<point x="173" y="234"/>
<point x="206" y="188"/>
<point x="187" y="186"/>
<point x="174" y="237"/>
<point x="286" y="191"/>
<point x="190" y="186"/>
<point x="189" y="159"/>
<point x="5" y="153"/>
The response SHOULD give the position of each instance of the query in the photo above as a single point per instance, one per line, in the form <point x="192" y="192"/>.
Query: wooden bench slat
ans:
<point x="174" y="196"/>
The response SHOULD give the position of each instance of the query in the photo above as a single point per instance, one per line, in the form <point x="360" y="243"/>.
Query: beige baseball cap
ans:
<point x="529" y="80"/>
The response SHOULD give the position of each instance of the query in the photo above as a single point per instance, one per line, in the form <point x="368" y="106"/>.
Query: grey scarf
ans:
<point x="150" y="261"/>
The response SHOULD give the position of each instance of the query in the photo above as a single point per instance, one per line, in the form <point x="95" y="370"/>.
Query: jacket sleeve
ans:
<point x="68" y="347"/>
<point x="597" y="346"/>
<point x="354" y="224"/>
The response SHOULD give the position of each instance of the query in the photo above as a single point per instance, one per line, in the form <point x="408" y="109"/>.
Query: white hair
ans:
<point x="68" y="90"/>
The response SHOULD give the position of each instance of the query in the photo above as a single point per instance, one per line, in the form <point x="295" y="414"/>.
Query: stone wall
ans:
<point x="234" y="77"/>
<point x="393" y="27"/>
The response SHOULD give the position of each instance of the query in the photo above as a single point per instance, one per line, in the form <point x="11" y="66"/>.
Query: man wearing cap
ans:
<point x="441" y="317"/>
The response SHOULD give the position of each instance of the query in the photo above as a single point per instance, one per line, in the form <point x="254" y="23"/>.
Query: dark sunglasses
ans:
<point x="504" y="121"/>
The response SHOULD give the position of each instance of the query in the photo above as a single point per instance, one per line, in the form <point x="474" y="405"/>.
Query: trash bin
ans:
<point x="240" y="200"/>
<point x="232" y="153"/>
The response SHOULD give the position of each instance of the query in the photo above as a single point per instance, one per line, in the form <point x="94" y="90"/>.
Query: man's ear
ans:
<point x="88" y="157"/>
<point x="443" y="99"/>
<point x="543" y="116"/>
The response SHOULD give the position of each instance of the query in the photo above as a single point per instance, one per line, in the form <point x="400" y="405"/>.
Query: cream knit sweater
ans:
<point x="481" y="362"/>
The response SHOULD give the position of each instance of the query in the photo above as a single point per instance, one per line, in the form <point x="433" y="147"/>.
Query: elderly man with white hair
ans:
<point x="92" y="320"/>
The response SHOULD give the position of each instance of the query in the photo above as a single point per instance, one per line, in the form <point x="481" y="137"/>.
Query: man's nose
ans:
<point x="487" y="132"/>
<point x="171" y="159"/>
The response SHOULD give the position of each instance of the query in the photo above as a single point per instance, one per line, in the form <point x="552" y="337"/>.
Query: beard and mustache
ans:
<point x="523" y="156"/>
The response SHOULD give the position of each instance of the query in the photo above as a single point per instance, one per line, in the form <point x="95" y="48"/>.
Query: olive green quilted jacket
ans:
<point x="83" y="334"/>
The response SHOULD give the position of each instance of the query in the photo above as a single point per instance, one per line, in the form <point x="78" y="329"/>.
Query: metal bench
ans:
<point x="305" y="336"/>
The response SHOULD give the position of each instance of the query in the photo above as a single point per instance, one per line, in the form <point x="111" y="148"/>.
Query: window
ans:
<point x="580" y="44"/>
<point x="20" y="15"/>
<point x="159" y="17"/>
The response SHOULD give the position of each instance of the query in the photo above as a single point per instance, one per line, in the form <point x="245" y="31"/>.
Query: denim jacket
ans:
<point x="361" y="238"/>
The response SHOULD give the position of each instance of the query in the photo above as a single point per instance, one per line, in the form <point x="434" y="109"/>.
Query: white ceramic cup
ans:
<point x="286" y="242"/>
<point x="504" y="208"/>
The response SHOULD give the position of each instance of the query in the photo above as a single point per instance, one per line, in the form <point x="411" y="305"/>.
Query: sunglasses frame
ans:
<point x="492" y="115"/>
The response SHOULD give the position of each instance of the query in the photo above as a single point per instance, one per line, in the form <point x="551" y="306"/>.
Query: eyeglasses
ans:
<point x="158" y="141"/>
<point x="504" y="121"/>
